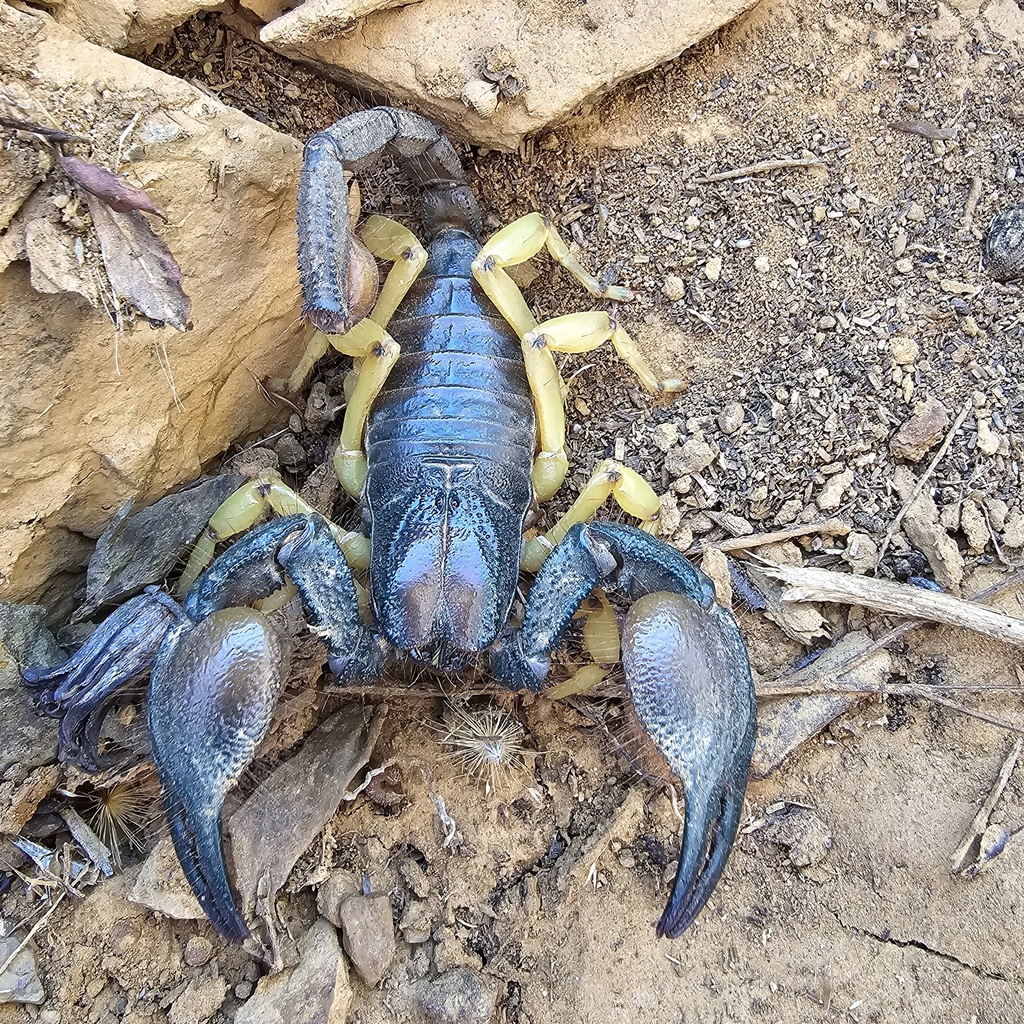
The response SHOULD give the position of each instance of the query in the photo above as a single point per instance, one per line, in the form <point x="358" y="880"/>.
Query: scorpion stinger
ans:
<point x="687" y="671"/>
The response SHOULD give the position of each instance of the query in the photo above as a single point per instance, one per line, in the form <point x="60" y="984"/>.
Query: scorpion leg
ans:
<point x="581" y="332"/>
<point x="687" y="671"/>
<point x="218" y="675"/>
<point x="241" y="511"/>
<point x="633" y="494"/>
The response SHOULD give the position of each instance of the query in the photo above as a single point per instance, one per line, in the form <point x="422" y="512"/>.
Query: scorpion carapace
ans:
<point x="454" y="424"/>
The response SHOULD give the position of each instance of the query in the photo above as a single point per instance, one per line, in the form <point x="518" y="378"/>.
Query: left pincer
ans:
<point x="687" y="670"/>
<point x="212" y="696"/>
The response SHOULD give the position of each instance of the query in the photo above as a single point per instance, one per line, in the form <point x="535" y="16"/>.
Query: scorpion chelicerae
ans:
<point x="454" y="426"/>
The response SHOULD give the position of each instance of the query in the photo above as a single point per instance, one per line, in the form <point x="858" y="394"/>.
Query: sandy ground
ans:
<point x="552" y="888"/>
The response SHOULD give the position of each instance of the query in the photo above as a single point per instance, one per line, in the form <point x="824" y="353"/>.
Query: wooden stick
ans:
<point x="760" y="168"/>
<point x="957" y="423"/>
<point x="829" y="527"/>
<point x="980" y="823"/>
<point x="895" y="599"/>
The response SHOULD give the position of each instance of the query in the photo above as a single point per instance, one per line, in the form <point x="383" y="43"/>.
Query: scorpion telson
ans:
<point x="454" y="424"/>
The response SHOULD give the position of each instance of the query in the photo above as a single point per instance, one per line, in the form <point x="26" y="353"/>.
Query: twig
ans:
<point x="972" y="201"/>
<point x="943" y="448"/>
<point x="762" y="167"/>
<point x="829" y="527"/>
<point x="896" y="599"/>
<point x="980" y="823"/>
<point x="28" y="938"/>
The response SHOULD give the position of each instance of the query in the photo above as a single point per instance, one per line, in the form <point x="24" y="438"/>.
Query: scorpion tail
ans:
<point x="213" y="691"/>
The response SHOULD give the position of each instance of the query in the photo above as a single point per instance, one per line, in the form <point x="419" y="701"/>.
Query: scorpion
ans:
<point x="454" y="428"/>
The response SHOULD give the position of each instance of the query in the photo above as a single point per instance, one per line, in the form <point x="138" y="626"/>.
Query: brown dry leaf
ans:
<point x="140" y="267"/>
<point x="114" y="190"/>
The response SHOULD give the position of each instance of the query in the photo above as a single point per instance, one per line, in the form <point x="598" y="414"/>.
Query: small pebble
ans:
<point x="730" y="419"/>
<point x="713" y="268"/>
<point x="673" y="288"/>
<point x="198" y="951"/>
<point x="762" y="264"/>
<point x="243" y="990"/>
<point x="666" y="436"/>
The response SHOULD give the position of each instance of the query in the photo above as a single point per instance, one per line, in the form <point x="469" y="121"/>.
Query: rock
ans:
<point x="988" y="440"/>
<point x="481" y="97"/>
<point x="715" y="566"/>
<point x="136" y="550"/>
<point x="730" y="419"/>
<point x="315" y="989"/>
<point x="414" y="877"/>
<point x="197" y="951"/>
<point x="673" y="288"/>
<point x="801" y="831"/>
<point x="69" y="455"/>
<point x="426" y="53"/>
<point x="416" y="923"/>
<point x="199" y="1002"/>
<point x="972" y="522"/>
<point x="861" y="553"/>
<point x="340" y="885"/>
<point x="1013" y="534"/>
<point x="27" y="740"/>
<point x="831" y="495"/>
<point x="277" y="824"/>
<point x="666" y="435"/>
<point x="368" y="935"/>
<point x="694" y="456"/>
<point x="128" y="24"/>
<point x="904" y="351"/>
<point x="19" y="983"/>
<point x="162" y="887"/>
<point x="922" y="528"/>
<point x="925" y="428"/>
<point x="713" y="268"/>
<point x="458" y="996"/>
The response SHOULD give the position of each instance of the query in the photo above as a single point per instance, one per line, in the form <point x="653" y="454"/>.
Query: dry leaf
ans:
<point x="114" y="190"/>
<point x="140" y="267"/>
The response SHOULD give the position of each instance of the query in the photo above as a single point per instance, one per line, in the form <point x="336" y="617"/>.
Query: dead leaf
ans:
<point x="139" y="265"/>
<point x="117" y="192"/>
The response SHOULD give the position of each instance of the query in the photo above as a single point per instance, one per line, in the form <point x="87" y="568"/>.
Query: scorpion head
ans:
<point x="443" y="584"/>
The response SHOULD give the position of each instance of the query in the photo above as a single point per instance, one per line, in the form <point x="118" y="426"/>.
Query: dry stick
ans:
<point x="830" y="527"/>
<point x="909" y="626"/>
<point x="759" y="168"/>
<point x="957" y="423"/>
<point x="896" y="599"/>
<point x="980" y="822"/>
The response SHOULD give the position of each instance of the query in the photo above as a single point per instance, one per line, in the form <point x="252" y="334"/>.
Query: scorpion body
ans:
<point x="449" y="451"/>
<point x="454" y="425"/>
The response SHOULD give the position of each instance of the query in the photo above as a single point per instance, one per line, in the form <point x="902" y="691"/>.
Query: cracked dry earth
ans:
<point x="792" y="294"/>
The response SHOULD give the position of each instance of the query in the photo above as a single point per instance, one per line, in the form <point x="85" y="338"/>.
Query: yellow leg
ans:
<point x="634" y="495"/>
<point x="582" y="332"/>
<point x="524" y="238"/>
<point x="349" y="459"/>
<point x="241" y="510"/>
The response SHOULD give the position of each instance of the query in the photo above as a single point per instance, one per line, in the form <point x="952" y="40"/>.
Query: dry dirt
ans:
<point x="552" y="888"/>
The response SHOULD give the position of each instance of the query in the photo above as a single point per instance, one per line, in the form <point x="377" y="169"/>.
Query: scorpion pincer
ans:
<point x="454" y="426"/>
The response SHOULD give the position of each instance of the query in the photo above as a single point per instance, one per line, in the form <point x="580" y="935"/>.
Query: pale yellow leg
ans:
<point x="582" y="332"/>
<point x="241" y="510"/>
<point x="634" y="495"/>
<point x="524" y="238"/>
<point x="349" y="459"/>
<point x="601" y="641"/>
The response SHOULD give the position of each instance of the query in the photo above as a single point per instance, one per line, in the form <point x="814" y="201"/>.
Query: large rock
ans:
<point x="128" y="24"/>
<point x="428" y="53"/>
<point x="89" y="418"/>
